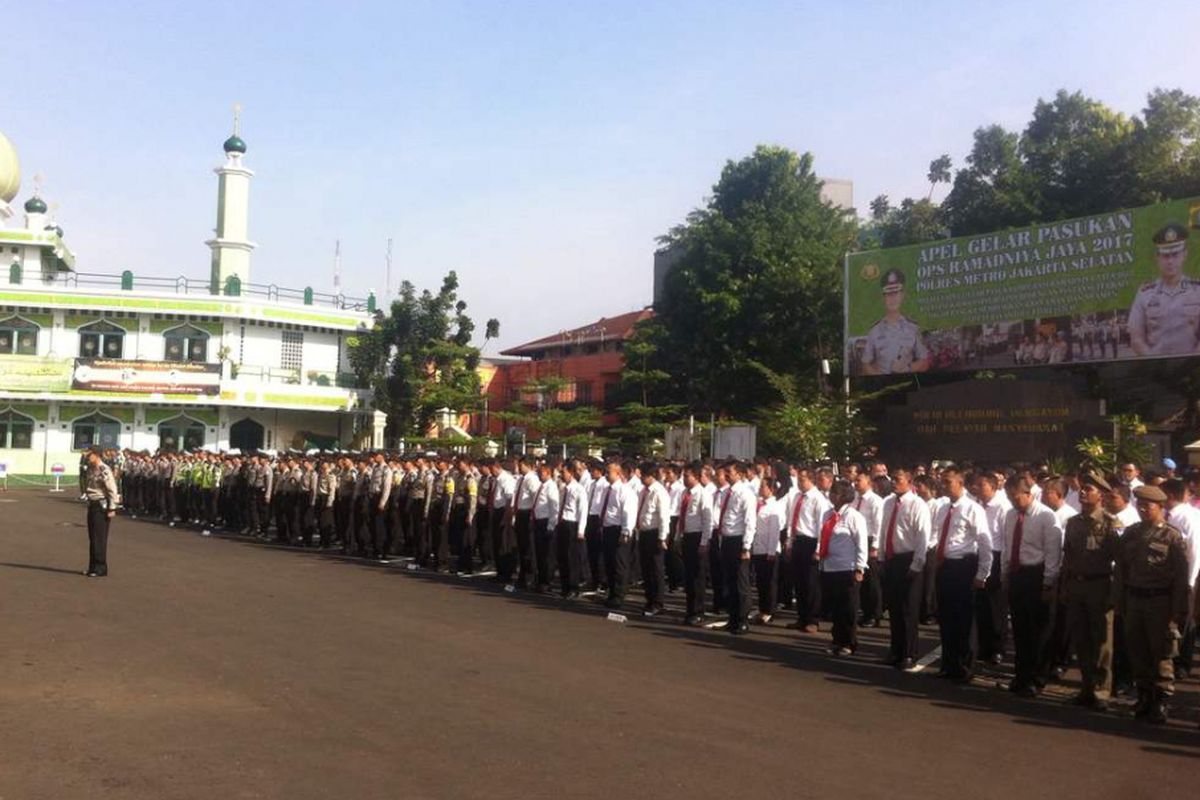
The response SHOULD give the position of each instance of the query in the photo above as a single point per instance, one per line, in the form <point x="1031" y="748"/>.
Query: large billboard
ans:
<point x="1119" y="285"/>
<point x="34" y="374"/>
<point x="145" y="377"/>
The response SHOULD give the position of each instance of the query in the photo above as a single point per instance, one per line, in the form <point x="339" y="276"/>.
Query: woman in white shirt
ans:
<point x="842" y="552"/>
<point x="764" y="552"/>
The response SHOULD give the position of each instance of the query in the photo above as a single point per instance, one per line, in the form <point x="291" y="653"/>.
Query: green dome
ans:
<point x="35" y="205"/>
<point x="234" y="144"/>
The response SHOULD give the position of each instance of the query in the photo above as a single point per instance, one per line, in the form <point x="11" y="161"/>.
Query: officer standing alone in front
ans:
<point x="100" y="491"/>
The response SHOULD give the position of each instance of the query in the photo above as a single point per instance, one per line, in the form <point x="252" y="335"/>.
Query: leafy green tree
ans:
<point x="758" y="278"/>
<point x="543" y="415"/>
<point x="418" y="358"/>
<point x="939" y="172"/>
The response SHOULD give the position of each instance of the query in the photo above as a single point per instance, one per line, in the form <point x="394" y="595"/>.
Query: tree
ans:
<point x="418" y="358"/>
<point x="642" y="425"/>
<point x="758" y="277"/>
<point x="573" y="426"/>
<point x="939" y="172"/>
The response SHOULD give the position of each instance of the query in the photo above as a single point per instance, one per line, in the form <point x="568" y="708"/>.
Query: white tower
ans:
<point x="230" y="248"/>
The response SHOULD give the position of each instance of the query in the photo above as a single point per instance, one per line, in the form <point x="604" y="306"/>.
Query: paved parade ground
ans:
<point x="219" y="667"/>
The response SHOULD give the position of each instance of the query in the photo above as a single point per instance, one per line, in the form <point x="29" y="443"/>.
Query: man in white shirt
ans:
<point x="1117" y="503"/>
<point x="870" y="505"/>
<point x="672" y="560"/>
<point x="720" y="489"/>
<point x="964" y="555"/>
<point x="1131" y="476"/>
<point x="500" y="497"/>
<point x="595" y="547"/>
<point x="696" y="515"/>
<point x="736" y="521"/>
<point x="806" y="508"/>
<point x="653" y="526"/>
<point x="616" y="524"/>
<point x="1186" y="519"/>
<point x="1054" y="497"/>
<point x="544" y="518"/>
<point x="524" y="498"/>
<point x="904" y="544"/>
<point x="1029" y="567"/>
<point x="991" y="606"/>
<point x="924" y="487"/>
<point x="570" y="532"/>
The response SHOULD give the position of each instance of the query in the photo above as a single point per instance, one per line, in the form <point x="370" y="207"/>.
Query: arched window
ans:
<point x="16" y="431"/>
<point x="180" y="433"/>
<point x="96" y="430"/>
<point x="101" y="340"/>
<point x="186" y="343"/>
<point x="18" y="336"/>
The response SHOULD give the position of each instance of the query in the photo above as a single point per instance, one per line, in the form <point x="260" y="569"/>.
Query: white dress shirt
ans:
<point x="769" y="526"/>
<point x="966" y="535"/>
<point x="1072" y="499"/>
<point x="654" y="510"/>
<point x="1041" y="541"/>
<point x="736" y="515"/>
<point x="505" y="485"/>
<point x="848" y="545"/>
<point x="806" y="520"/>
<point x="870" y="505"/>
<point x="1064" y="513"/>
<point x="574" y="509"/>
<point x="1127" y="517"/>
<point x="1187" y="520"/>
<point x="596" y="494"/>
<point x="676" y="489"/>
<point x="995" y="509"/>
<point x="697" y="511"/>
<point x="546" y="503"/>
<point x="631" y="494"/>
<point x="527" y="490"/>
<point x="913" y="524"/>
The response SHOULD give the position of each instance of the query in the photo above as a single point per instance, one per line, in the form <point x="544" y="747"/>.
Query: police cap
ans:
<point x="1170" y="238"/>
<point x="1150" y="493"/>
<point x="1094" y="478"/>
<point x="892" y="281"/>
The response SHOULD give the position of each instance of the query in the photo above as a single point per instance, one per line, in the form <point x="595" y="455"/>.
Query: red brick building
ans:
<point x="588" y="359"/>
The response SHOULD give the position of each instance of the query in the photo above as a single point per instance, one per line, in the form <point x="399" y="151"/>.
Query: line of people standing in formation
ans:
<point x="1102" y="568"/>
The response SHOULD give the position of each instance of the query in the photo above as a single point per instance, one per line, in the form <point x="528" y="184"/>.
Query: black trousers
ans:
<point x="902" y="593"/>
<point x="806" y="580"/>
<point x="735" y="579"/>
<point x="716" y="572"/>
<point x="419" y="528"/>
<point x="991" y="613"/>
<point x="439" y="534"/>
<point x="929" y="599"/>
<point x="672" y="559"/>
<point x="595" y="553"/>
<point x="840" y="591"/>
<point x="260" y="512"/>
<point x="483" y="534"/>
<point x="871" y="591"/>
<point x="650" y="553"/>
<point x="462" y="536"/>
<point x="568" y="550"/>
<point x="523" y="527"/>
<point x="695" y="572"/>
<point x="543" y="546"/>
<point x="1031" y="627"/>
<point x="97" y="525"/>
<point x="765" y="568"/>
<point x="956" y="613"/>
<point x="326" y="524"/>
<point x="616" y="564"/>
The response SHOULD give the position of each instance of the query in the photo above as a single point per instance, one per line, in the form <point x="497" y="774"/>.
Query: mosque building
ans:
<point x="146" y="362"/>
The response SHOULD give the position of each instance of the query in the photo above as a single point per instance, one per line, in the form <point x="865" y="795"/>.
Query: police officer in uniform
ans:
<point x="1164" y="318"/>
<point x="100" y="491"/>
<point x="894" y="343"/>
<point x="1089" y="549"/>
<point x="1152" y="575"/>
<point x="327" y="486"/>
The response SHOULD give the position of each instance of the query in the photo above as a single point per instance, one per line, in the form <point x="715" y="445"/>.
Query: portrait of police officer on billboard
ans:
<point x="894" y="343"/>
<point x="1164" y="318"/>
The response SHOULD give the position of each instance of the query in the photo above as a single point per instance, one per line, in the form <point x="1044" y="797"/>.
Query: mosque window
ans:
<point x="293" y="347"/>
<point x="179" y="434"/>
<point x="17" y="336"/>
<point x="186" y="343"/>
<point x="96" y="430"/>
<point x="16" y="431"/>
<point x="101" y="340"/>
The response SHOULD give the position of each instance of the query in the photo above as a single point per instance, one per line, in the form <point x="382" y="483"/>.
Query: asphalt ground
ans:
<point x="220" y="667"/>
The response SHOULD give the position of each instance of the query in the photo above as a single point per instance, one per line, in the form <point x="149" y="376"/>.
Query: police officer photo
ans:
<point x="894" y="343"/>
<point x="100" y="492"/>
<point x="1164" y="318"/>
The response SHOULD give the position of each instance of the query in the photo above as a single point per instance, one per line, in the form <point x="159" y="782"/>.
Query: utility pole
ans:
<point x="387" y="285"/>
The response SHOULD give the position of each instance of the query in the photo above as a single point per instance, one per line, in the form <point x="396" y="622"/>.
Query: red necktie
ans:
<point x="724" y="505"/>
<point x="890" y="547"/>
<point x="796" y="513"/>
<point x="831" y="522"/>
<point x="1014" y="563"/>
<point x="941" y="551"/>
<point x="562" y="503"/>
<point x="533" y="508"/>
<point x="492" y="494"/>
<point x="641" y="504"/>
<point x="858" y="503"/>
<point x="604" y="508"/>
<point x="516" y="501"/>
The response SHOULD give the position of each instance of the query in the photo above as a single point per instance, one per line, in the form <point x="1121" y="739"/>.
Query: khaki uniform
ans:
<point x="894" y="346"/>
<point x="1089" y="550"/>
<point x="1167" y="318"/>
<point x="1152" y="574"/>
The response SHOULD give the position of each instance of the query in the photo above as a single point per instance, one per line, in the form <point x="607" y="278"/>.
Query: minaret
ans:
<point x="230" y="248"/>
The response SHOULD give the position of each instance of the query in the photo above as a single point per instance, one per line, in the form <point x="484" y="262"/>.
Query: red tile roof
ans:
<point x="603" y="329"/>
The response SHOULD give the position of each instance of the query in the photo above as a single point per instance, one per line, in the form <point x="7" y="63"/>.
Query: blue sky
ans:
<point x="538" y="148"/>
